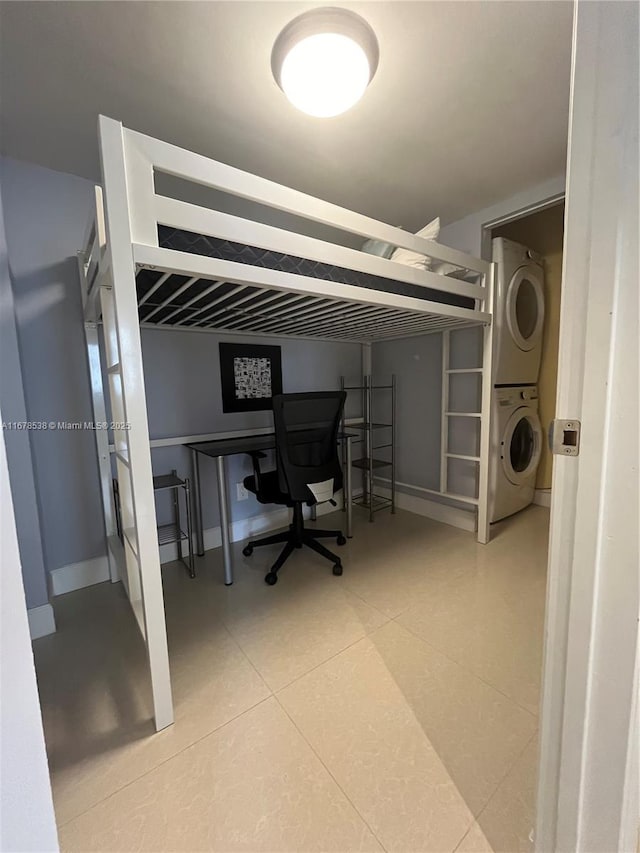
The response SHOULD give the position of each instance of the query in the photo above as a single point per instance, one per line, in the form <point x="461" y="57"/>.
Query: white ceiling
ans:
<point x="469" y="104"/>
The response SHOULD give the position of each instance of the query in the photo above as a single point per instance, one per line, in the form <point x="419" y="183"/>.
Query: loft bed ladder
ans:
<point x="107" y="275"/>
<point x="479" y="434"/>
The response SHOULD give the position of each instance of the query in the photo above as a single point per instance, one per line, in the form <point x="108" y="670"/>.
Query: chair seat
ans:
<point x="270" y="492"/>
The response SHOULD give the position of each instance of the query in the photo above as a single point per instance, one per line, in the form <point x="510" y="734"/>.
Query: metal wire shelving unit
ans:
<point x="371" y="460"/>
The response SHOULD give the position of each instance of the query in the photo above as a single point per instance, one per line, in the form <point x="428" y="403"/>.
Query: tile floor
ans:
<point x="394" y="708"/>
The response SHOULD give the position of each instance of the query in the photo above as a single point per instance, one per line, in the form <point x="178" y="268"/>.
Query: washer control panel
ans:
<point x="514" y="396"/>
<point x="529" y="394"/>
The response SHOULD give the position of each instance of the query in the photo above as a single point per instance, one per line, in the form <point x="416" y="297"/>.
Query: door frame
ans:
<point x="586" y="738"/>
<point x="488" y="227"/>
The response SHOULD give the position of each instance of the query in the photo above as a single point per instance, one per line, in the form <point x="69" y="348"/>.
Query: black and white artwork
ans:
<point x="252" y="377"/>
<point x="251" y="374"/>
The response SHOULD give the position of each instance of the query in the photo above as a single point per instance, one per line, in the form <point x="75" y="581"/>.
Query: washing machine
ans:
<point x="519" y="313"/>
<point x="516" y="445"/>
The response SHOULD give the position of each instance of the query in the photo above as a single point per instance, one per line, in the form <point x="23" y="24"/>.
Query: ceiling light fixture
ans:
<point x="324" y="60"/>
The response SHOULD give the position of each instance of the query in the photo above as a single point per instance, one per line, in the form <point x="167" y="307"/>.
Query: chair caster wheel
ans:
<point x="247" y="550"/>
<point x="341" y="540"/>
<point x="271" y="578"/>
<point x="337" y="569"/>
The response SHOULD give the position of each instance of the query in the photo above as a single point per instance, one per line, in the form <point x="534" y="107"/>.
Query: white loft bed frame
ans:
<point x="122" y="239"/>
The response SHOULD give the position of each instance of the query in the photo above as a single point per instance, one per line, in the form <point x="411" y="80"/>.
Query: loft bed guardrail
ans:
<point x="294" y="282"/>
<point x="151" y="260"/>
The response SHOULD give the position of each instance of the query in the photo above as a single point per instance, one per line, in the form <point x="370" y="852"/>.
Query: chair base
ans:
<point x="296" y="537"/>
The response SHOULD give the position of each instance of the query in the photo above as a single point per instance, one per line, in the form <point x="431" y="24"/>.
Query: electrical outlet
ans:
<point x="241" y="493"/>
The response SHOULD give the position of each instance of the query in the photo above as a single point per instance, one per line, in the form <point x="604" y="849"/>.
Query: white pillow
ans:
<point x="415" y="259"/>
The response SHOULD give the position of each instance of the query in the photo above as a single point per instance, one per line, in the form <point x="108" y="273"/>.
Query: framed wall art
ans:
<point x="250" y="375"/>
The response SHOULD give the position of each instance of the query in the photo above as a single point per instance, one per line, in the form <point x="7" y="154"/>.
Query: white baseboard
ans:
<point x="542" y="497"/>
<point x="245" y="528"/>
<point x="454" y="516"/>
<point x="78" y="575"/>
<point x="89" y="572"/>
<point x="41" y="621"/>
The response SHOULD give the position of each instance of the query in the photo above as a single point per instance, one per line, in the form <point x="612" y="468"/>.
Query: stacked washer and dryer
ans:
<point x="516" y="439"/>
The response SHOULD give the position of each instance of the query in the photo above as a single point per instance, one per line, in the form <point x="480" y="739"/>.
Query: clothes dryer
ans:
<point x="518" y="315"/>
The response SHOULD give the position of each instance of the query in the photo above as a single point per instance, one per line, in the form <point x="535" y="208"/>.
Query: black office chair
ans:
<point x="308" y="471"/>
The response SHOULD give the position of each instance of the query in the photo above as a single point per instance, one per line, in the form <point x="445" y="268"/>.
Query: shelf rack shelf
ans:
<point x="173" y="532"/>
<point x="370" y="461"/>
<point x="365" y="463"/>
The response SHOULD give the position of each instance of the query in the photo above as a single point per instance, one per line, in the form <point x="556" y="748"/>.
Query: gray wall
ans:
<point x="46" y="215"/>
<point x="18" y="441"/>
<point x="182" y="376"/>
<point x="45" y="218"/>
<point x="417" y="364"/>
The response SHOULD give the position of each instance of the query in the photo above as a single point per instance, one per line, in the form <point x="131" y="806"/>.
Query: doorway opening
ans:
<point x="543" y="232"/>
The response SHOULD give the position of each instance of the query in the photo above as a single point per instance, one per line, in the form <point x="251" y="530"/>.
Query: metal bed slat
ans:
<point x="376" y="330"/>
<point x="262" y="326"/>
<point x="232" y="306"/>
<point x="389" y="327"/>
<point x="346" y="323"/>
<point x="153" y="288"/>
<point x="366" y="316"/>
<point x="250" y="322"/>
<point x="212" y="287"/>
<point x="388" y="322"/>
<point x="224" y="302"/>
<point x="293" y="327"/>
<point x="335" y="323"/>
<point x="298" y="314"/>
<point x="395" y="334"/>
<point x="216" y="301"/>
<point x="257" y="307"/>
<point x="287" y="301"/>
<point x="323" y="315"/>
<point x="361" y="318"/>
<point x="168" y="301"/>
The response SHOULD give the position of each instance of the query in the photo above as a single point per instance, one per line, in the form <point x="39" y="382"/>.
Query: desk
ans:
<point x="223" y="447"/>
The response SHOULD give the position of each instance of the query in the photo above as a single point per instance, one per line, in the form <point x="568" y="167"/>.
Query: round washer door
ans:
<point x="521" y="445"/>
<point x="525" y="307"/>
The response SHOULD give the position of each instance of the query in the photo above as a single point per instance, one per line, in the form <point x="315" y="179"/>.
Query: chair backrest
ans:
<point x="306" y="428"/>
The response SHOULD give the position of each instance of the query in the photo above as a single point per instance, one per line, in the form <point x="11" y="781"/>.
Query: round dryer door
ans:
<point x="525" y="308"/>
<point x="521" y="445"/>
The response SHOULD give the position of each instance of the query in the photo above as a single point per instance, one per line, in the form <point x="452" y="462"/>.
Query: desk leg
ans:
<point x="349" y="490"/>
<point x="224" y="521"/>
<point x="197" y="500"/>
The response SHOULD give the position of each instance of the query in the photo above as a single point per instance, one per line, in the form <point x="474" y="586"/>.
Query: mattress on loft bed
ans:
<point x="213" y="247"/>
